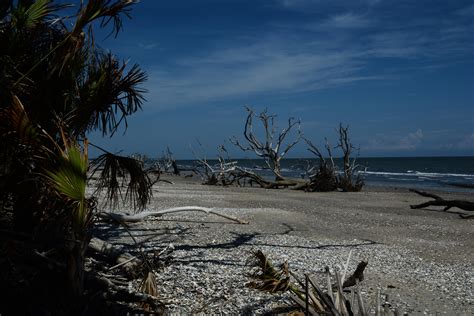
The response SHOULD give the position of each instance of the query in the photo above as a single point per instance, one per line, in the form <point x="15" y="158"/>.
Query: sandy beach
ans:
<point x="421" y="260"/>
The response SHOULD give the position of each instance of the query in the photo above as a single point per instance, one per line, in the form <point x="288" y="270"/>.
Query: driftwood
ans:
<point x="144" y="215"/>
<point x="115" y="254"/>
<point x="357" y="276"/>
<point x="114" y="293"/>
<point x="439" y="201"/>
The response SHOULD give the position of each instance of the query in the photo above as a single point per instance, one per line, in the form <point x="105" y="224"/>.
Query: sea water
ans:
<point x="444" y="173"/>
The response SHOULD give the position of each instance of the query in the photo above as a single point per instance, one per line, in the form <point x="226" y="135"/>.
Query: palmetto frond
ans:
<point x="15" y="124"/>
<point x="28" y="16"/>
<point x="108" y="94"/>
<point x="123" y="173"/>
<point x="106" y="10"/>
<point x="69" y="180"/>
<point x="266" y="277"/>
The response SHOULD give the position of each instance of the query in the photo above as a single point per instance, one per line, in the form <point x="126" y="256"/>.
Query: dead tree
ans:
<point x="270" y="148"/>
<point x="348" y="181"/>
<point x="167" y="163"/>
<point x="439" y="201"/>
<point x="171" y="162"/>
<point x="322" y="178"/>
<point x="225" y="172"/>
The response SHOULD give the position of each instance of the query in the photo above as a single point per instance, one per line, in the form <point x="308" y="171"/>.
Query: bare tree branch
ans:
<point x="265" y="148"/>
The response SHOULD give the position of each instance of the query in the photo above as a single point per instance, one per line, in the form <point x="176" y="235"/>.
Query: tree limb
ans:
<point x="439" y="201"/>
<point x="143" y="215"/>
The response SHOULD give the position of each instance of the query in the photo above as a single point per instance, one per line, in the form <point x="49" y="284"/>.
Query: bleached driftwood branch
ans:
<point x="144" y="215"/>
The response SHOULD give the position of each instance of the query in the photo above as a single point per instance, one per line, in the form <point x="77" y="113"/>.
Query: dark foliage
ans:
<point x="55" y="87"/>
<point x="118" y="173"/>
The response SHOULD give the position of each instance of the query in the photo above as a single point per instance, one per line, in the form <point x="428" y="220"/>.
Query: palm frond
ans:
<point x="148" y="286"/>
<point x="15" y="123"/>
<point x="106" y="10"/>
<point x="265" y="276"/>
<point x="108" y="95"/>
<point x="119" y="172"/>
<point x="31" y="14"/>
<point x="69" y="180"/>
<point x="307" y="295"/>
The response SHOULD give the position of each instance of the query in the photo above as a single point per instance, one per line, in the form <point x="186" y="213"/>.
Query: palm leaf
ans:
<point x="266" y="277"/>
<point x="69" y="180"/>
<point x="108" y="94"/>
<point x="118" y="172"/>
<point x="27" y="15"/>
<point x="16" y="124"/>
<point x="148" y="286"/>
<point x="106" y="10"/>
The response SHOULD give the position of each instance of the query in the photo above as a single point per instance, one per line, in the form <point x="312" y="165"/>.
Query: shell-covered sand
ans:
<point x="421" y="260"/>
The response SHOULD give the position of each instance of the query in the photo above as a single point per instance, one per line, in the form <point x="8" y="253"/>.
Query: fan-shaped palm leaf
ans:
<point x="69" y="180"/>
<point x="28" y="16"/>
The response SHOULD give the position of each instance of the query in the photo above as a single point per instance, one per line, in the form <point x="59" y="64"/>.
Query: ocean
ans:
<point x="441" y="173"/>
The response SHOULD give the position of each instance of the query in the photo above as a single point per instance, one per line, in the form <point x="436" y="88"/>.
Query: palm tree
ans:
<point x="56" y="86"/>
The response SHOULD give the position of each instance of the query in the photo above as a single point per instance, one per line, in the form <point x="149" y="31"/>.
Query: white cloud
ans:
<point x="268" y="66"/>
<point x="298" y="57"/>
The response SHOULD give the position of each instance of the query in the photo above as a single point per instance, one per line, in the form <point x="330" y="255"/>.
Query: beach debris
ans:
<point x="270" y="147"/>
<point x="357" y="276"/>
<point x="114" y="254"/>
<point x="439" y="201"/>
<point x="307" y="295"/>
<point x="144" y="215"/>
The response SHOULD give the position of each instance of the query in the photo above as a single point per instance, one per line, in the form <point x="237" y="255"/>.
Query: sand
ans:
<point x="421" y="260"/>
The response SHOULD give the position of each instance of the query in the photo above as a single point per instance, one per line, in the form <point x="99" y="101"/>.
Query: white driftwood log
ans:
<point x="144" y="215"/>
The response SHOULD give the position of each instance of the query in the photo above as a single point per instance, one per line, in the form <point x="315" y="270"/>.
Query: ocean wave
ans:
<point x="411" y="173"/>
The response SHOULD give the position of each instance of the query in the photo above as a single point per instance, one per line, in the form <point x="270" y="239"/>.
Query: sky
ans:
<point x="399" y="73"/>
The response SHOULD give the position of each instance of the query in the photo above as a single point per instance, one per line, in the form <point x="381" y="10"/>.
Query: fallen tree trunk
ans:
<point x="144" y="215"/>
<point x="294" y="183"/>
<point x="439" y="201"/>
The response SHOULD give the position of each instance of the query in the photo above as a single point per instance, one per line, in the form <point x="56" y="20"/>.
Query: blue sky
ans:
<point x="400" y="73"/>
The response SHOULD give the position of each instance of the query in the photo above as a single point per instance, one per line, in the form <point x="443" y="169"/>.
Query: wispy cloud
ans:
<point x="264" y="67"/>
<point x="147" y="45"/>
<point x="388" y="143"/>
<point x="285" y="60"/>
<point x="466" y="11"/>
<point x="346" y="20"/>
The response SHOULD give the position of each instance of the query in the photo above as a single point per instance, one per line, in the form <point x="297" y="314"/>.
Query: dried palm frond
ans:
<point x="266" y="277"/>
<point x="148" y="286"/>
<point x="308" y="295"/>
<point x="118" y="172"/>
<point x="15" y="123"/>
